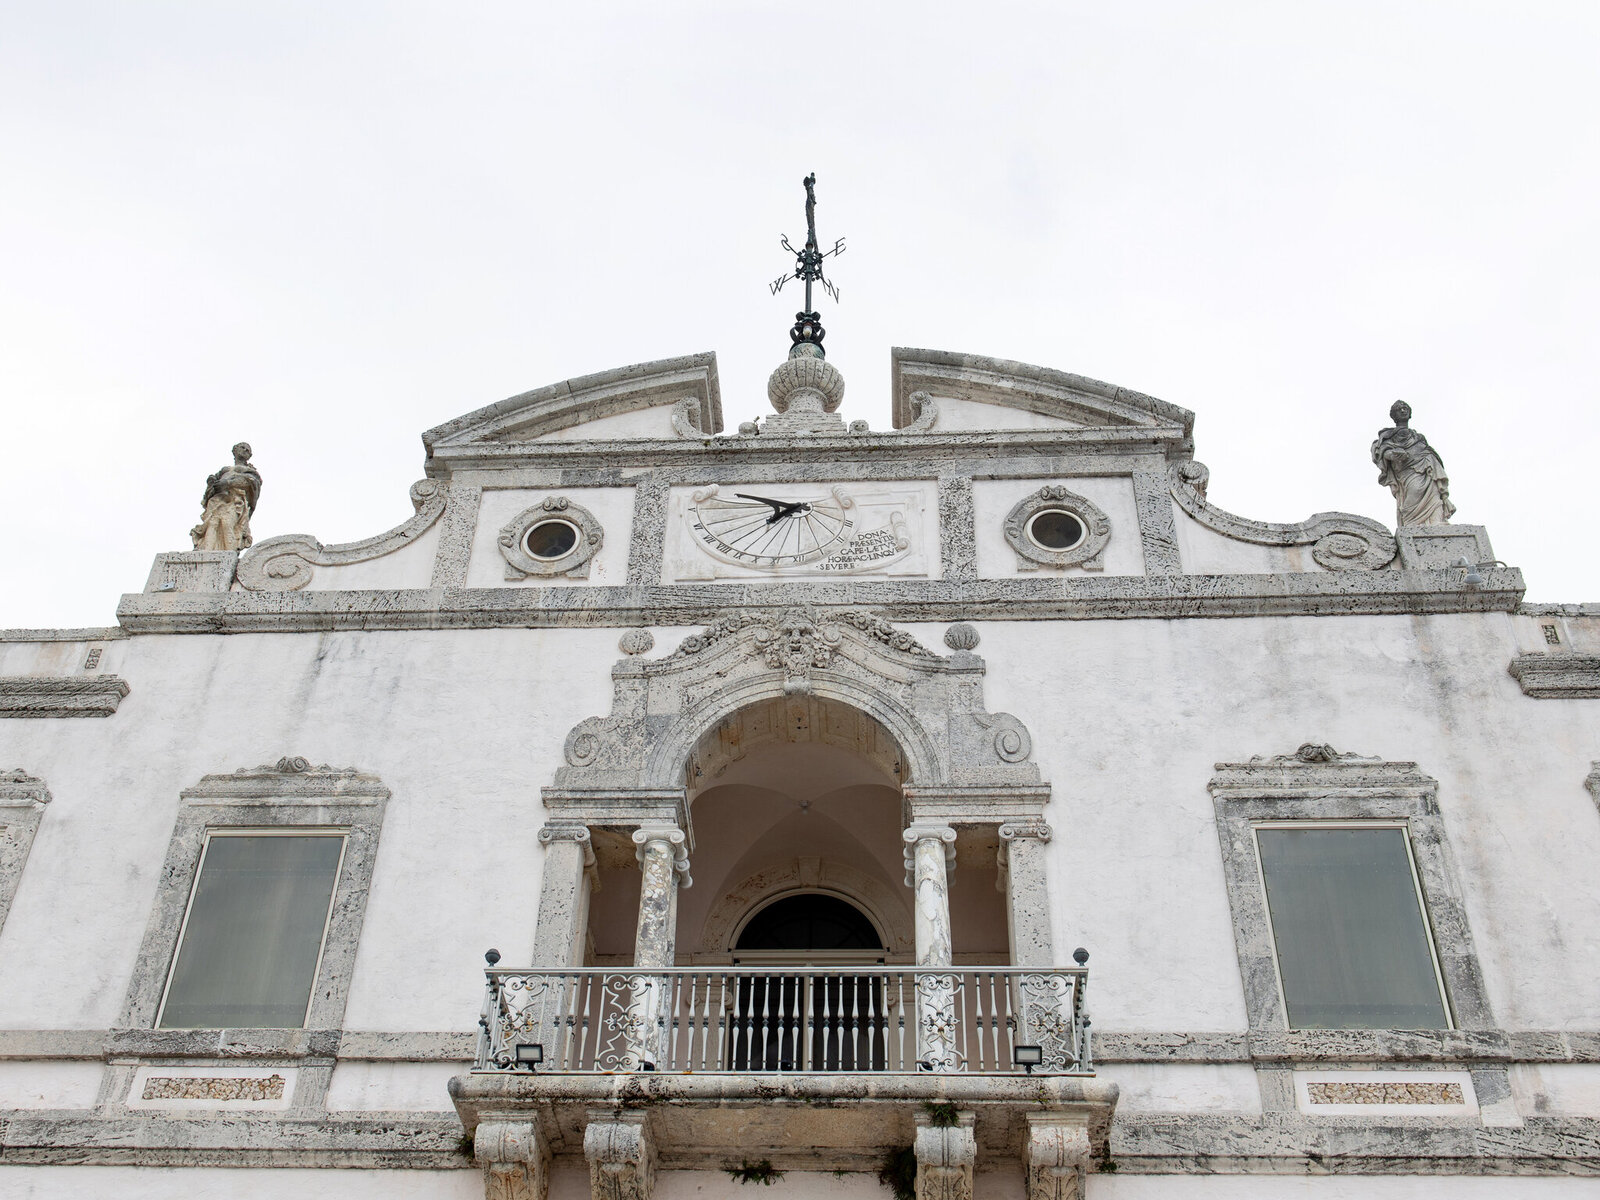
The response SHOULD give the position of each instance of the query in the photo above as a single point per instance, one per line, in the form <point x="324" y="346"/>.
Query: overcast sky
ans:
<point x="325" y="227"/>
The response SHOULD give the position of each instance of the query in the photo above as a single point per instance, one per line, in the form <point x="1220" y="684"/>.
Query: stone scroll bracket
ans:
<point x="1338" y="541"/>
<point x="1056" y="1156"/>
<point x="621" y="1155"/>
<point x="515" y="1158"/>
<point x="946" y="1155"/>
<point x="288" y="563"/>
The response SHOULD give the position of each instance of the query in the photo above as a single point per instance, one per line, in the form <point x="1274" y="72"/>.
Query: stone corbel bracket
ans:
<point x="1557" y="676"/>
<point x="46" y="696"/>
<point x="925" y="412"/>
<point x="287" y="563"/>
<point x="1338" y="541"/>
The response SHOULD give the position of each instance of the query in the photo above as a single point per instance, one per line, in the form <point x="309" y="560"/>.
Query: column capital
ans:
<point x="927" y="832"/>
<point x="569" y="831"/>
<point x="1036" y="829"/>
<point x="676" y="842"/>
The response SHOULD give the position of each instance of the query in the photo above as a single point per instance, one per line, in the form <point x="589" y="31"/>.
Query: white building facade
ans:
<point x="789" y="773"/>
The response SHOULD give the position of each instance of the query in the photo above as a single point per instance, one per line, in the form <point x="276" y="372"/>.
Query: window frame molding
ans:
<point x="288" y="795"/>
<point x="22" y="802"/>
<point x="1319" y="785"/>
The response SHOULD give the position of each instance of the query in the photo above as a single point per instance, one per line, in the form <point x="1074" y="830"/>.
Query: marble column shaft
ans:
<point x="1022" y="850"/>
<point x="930" y="852"/>
<point x="663" y="858"/>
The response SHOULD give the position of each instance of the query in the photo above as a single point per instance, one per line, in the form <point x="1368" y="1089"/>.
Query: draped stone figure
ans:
<point x="230" y="498"/>
<point x="1413" y="471"/>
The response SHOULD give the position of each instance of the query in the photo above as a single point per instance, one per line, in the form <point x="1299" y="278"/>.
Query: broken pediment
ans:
<point x="690" y="380"/>
<point x="1061" y="399"/>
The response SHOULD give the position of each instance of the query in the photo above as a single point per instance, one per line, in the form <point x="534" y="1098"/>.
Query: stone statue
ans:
<point x="230" y="498"/>
<point x="1413" y="471"/>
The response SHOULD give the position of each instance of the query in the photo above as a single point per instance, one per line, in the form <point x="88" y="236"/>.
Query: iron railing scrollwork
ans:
<point x="816" y="1019"/>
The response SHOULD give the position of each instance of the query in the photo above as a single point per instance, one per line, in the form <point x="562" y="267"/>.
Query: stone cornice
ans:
<point x="1085" y="598"/>
<point x="49" y="696"/>
<point x="288" y="780"/>
<point x="1557" y="676"/>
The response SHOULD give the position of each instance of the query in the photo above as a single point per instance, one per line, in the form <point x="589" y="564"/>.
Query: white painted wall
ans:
<point x="411" y="566"/>
<point x="392" y="1086"/>
<point x="1127" y="717"/>
<point x="49" y="1084"/>
<point x="645" y="423"/>
<point x="204" y="1183"/>
<point x="960" y="416"/>
<point x="1334" y="1187"/>
<point x="1205" y="552"/>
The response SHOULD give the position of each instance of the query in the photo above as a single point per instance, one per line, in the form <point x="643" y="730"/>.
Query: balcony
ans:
<point x="814" y="1068"/>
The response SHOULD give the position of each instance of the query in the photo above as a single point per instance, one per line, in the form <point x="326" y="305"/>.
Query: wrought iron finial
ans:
<point x="808" y="331"/>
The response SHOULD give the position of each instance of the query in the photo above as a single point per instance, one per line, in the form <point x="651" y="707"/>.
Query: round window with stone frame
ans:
<point x="553" y="538"/>
<point x="1055" y="527"/>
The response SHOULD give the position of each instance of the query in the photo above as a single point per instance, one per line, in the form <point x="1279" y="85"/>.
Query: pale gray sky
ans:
<point x="324" y="228"/>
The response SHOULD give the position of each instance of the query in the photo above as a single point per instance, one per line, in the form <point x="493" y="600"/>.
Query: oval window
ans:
<point x="1056" y="529"/>
<point x="550" y="539"/>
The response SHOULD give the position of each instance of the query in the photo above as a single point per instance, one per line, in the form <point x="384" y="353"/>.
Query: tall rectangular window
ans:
<point x="1349" y="929"/>
<point x="252" y="936"/>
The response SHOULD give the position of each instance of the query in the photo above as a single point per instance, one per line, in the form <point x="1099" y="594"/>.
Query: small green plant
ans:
<point x="899" y="1173"/>
<point x="464" y="1146"/>
<point x="762" y="1172"/>
<point x="940" y="1116"/>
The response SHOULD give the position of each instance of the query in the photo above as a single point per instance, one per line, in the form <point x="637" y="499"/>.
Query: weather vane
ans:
<point x="808" y="267"/>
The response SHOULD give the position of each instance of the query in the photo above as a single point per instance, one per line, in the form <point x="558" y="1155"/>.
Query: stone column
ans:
<point x="945" y="1157"/>
<point x="664" y="863"/>
<point x="930" y="852"/>
<point x="1056" y="1155"/>
<point x="515" y="1159"/>
<point x="1022" y="853"/>
<point x="622" y="1158"/>
<point x="562" y="927"/>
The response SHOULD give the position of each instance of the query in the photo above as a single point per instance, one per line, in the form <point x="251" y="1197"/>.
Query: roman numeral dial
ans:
<point x="772" y="531"/>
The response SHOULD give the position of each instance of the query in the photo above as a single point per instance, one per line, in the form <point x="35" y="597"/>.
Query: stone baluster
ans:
<point x="929" y="855"/>
<point x="664" y="863"/>
<point x="1022" y="859"/>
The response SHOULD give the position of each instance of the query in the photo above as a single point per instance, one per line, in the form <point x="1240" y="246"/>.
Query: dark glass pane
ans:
<point x="1056" y="530"/>
<point x="551" y="539"/>
<point x="1347" y="923"/>
<point x="810" y="922"/>
<point x="254" y="934"/>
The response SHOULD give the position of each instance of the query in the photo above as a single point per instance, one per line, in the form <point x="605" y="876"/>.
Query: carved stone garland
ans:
<point x="931" y="704"/>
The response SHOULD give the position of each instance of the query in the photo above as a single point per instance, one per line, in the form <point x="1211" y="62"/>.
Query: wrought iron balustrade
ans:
<point x="816" y="1019"/>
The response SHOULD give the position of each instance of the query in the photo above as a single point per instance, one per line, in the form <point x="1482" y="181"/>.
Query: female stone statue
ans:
<point x="230" y="498"/>
<point x="1413" y="471"/>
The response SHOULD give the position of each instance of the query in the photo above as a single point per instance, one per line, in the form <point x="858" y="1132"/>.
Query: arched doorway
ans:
<point x="806" y="1020"/>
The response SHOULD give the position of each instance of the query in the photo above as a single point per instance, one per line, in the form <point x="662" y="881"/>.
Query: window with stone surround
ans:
<point x="1347" y="911"/>
<point x="22" y="803"/>
<point x="263" y="894"/>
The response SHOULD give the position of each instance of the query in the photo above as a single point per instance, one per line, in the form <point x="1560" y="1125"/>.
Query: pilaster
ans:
<point x="1022" y="860"/>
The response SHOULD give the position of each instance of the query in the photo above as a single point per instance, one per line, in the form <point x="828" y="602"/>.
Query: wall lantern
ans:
<point x="529" y="1054"/>
<point x="1028" y="1057"/>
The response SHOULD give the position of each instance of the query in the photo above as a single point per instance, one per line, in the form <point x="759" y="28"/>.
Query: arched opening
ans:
<point x="830" y="1021"/>
<point x="809" y="922"/>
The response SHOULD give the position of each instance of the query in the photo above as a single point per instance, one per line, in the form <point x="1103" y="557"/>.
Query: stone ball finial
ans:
<point x="805" y="384"/>
<point x="637" y="641"/>
<point x="1400" y="413"/>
